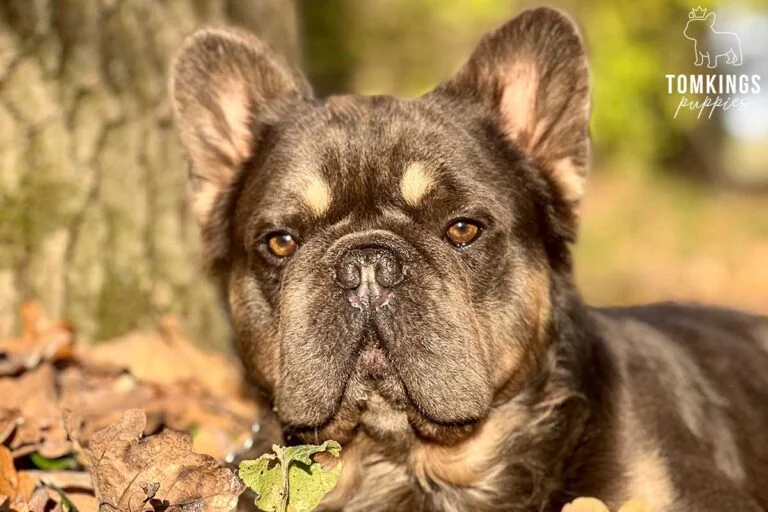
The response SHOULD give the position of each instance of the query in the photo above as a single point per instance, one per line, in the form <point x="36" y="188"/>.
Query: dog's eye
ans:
<point x="463" y="232"/>
<point x="281" y="244"/>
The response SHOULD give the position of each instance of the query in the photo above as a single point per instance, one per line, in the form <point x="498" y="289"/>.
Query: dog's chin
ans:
<point x="377" y="404"/>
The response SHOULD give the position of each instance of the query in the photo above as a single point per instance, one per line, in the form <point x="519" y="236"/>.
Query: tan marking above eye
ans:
<point x="281" y="245"/>
<point x="316" y="194"/>
<point x="416" y="182"/>
<point x="463" y="232"/>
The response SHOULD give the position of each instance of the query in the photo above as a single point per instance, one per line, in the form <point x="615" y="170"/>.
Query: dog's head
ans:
<point x="388" y="263"/>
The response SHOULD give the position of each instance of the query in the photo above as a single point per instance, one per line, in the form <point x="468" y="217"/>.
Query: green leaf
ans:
<point x="309" y="483"/>
<point x="60" y="464"/>
<point x="264" y="476"/>
<point x="290" y="480"/>
<point x="194" y="430"/>
<point x="303" y="452"/>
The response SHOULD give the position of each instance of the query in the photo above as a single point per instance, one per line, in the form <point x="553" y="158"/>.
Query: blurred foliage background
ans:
<point x="93" y="216"/>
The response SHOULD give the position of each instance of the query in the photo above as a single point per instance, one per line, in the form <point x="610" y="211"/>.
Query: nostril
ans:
<point x="389" y="272"/>
<point x="348" y="275"/>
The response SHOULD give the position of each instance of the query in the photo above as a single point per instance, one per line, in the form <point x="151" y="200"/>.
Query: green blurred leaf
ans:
<point x="60" y="464"/>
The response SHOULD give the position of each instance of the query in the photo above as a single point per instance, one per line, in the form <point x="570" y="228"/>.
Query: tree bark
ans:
<point x="94" y="220"/>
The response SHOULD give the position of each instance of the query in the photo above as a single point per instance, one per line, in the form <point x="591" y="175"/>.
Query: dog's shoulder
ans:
<point x="688" y="351"/>
<point x="703" y="331"/>
<point x="693" y="384"/>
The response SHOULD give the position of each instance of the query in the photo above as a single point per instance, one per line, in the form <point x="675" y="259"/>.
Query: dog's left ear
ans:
<point x="531" y="75"/>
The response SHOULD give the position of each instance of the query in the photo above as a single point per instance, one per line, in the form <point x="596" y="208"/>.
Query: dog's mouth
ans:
<point x="376" y="402"/>
<point x="417" y="365"/>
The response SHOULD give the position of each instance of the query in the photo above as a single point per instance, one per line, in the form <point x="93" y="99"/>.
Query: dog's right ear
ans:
<point x="531" y="79"/>
<point x="226" y="87"/>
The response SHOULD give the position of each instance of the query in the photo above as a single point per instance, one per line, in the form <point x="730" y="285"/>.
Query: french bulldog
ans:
<point x="399" y="278"/>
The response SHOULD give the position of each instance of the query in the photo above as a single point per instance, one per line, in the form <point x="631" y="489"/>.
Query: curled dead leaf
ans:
<point x="42" y="340"/>
<point x="8" y="476"/>
<point x="31" y="402"/>
<point x="9" y="420"/>
<point x="100" y="399"/>
<point x="159" y="472"/>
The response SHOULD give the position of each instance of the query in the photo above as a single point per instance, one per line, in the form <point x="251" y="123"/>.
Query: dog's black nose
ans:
<point x="368" y="274"/>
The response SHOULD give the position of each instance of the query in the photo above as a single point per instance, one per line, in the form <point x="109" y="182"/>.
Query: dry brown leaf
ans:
<point x="26" y="490"/>
<point x="84" y="502"/>
<point x="74" y="480"/>
<point x="585" y="505"/>
<point x="9" y="419"/>
<point x="177" y="385"/>
<point x="166" y="358"/>
<point x="15" y="489"/>
<point x="40" y="427"/>
<point x="100" y="400"/>
<point x="42" y="340"/>
<point x="41" y="501"/>
<point x="159" y="471"/>
<point x="8" y="477"/>
<point x="201" y="394"/>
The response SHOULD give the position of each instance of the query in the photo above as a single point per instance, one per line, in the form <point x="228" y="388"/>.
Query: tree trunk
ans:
<point x="94" y="221"/>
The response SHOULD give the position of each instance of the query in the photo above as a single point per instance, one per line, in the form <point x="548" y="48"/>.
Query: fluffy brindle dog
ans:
<point x="399" y="278"/>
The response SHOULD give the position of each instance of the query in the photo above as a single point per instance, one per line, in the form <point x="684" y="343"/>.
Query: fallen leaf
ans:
<point x="586" y="505"/>
<point x="26" y="485"/>
<point x="42" y="340"/>
<point x="42" y="501"/>
<point x="124" y="466"/>
<point x="264" y="476"/>
<point x="100" y="400"/>
<point x="9" y="420"/>
<point x="289" y="479"/>
<point x="84" y="502"/>
<point x="80" y="480"/>
<point x="8" y="477"/>
<point x="18" y="491"/>
<point x="167" y="357"/>
<point x="40" y="425"/>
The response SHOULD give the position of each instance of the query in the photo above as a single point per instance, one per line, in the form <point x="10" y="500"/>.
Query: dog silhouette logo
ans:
<point x="722" y="44"/>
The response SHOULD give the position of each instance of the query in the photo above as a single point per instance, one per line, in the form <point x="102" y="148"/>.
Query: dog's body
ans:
<point x="662" y="403"/>
<point x="399" y="278"/>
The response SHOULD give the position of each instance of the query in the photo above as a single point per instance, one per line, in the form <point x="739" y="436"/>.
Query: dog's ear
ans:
<point x="531" y="76"/>
<point x="227" y="86"/>
<point x="710" y="19"/>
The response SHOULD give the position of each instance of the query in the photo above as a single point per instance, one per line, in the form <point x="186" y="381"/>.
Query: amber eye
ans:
<point x="281" y="245"/>
<point x="463" y="233"/>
